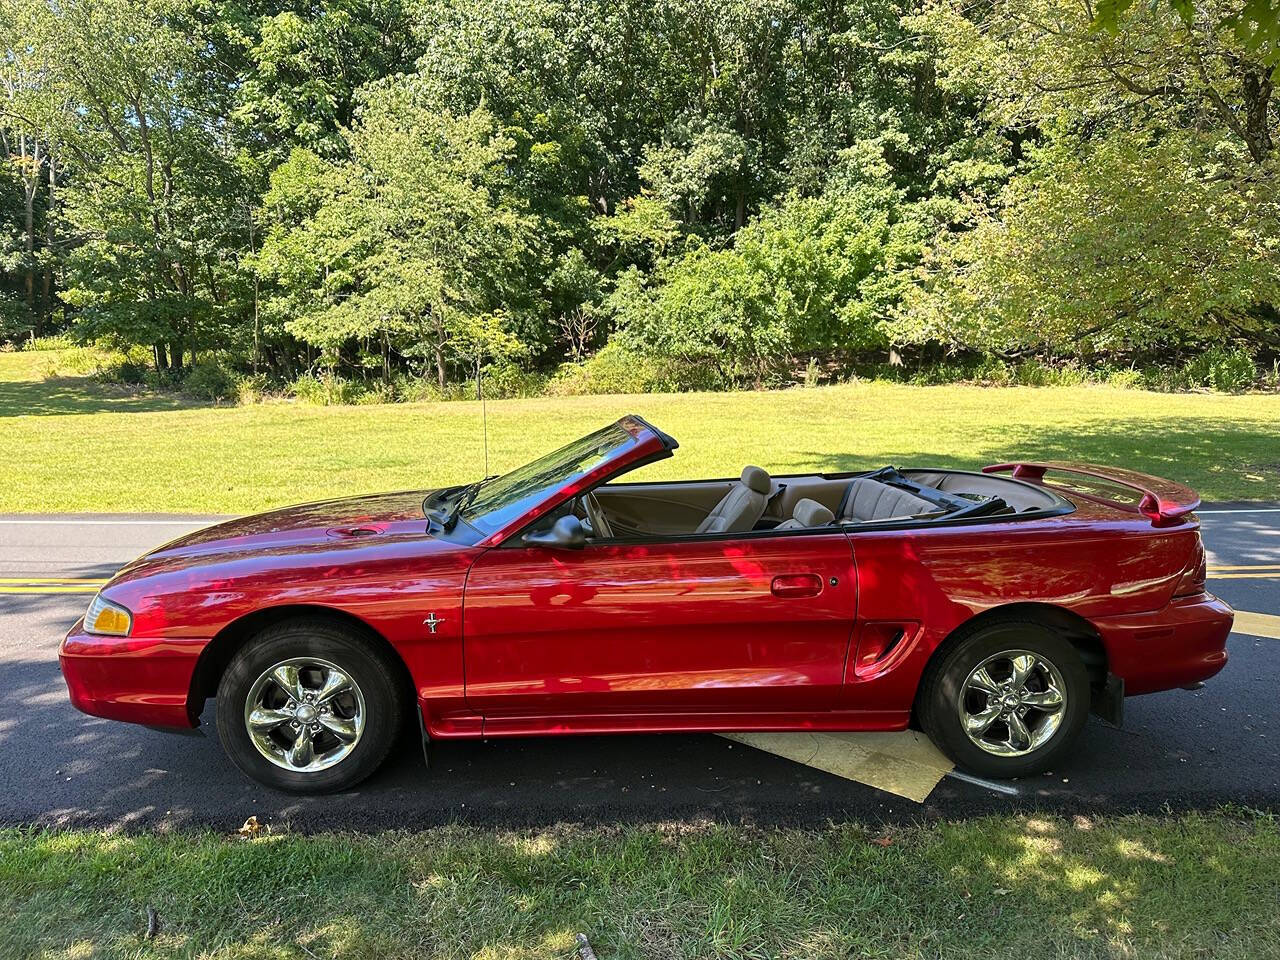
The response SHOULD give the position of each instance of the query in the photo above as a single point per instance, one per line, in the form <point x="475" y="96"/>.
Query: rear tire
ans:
<point x="1009" y="700"/>
<point x="309" y="706"/>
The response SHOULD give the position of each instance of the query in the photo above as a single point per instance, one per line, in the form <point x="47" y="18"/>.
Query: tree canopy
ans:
<point x="381" y="188"/>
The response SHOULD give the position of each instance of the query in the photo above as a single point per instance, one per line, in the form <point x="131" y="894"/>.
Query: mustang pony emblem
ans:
<point x="432" y="621"/>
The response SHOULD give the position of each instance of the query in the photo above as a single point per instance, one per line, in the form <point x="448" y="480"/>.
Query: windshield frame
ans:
<point x="639" y="443"/>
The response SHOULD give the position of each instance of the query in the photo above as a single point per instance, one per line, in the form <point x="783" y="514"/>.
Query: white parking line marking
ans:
<point x="1202" y="513"/>
<point x="1006" y="789"/>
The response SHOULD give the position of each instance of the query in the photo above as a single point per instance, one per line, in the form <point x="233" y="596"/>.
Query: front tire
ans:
<point x="1009" y="700"/>
<point x="309" y="706"/>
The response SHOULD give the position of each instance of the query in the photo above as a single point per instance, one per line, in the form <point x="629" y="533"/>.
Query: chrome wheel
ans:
<point x="304" y="714"/>
<point x="1012" y="703"/>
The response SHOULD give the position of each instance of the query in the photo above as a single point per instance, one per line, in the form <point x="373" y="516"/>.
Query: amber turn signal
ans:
<point x="107" y="619"/>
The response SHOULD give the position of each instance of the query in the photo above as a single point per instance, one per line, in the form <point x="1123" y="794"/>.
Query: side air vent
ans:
<point x="879" y="641"/>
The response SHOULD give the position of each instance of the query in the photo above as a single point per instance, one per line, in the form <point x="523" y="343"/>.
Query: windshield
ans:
<point x="500" y="500"/>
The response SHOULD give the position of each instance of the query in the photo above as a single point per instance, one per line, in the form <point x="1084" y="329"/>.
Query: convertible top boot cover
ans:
<point x="868" y="499"/>
<point x="742" y="507"/>
<point x="807" y="513"/>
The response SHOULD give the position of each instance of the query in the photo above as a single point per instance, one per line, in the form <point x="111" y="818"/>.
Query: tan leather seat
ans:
<point x="868" y="499"/>
<point x="807" y="513"/>
<point x="742" y="507"/>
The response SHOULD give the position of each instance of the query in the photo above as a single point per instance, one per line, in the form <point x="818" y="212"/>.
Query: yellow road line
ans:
<point x="1257" y="624"/>
<point x="1244" y="576"/>
<point x="1245" y="566"/>
<point x="33" y="581"/>
<point x="49" y="588"/>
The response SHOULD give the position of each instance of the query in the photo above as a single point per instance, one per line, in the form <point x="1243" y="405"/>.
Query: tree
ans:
<point x="1255" y="23"/>
<point x="156" y="205"/>
<point x="1145" y="215"/>
<point x="1108" y="247"/>
<point x="304" y="64"/>
<point x="28" y="113"/>
<point x="406" y="245"/>
<point x="809" y="276"/>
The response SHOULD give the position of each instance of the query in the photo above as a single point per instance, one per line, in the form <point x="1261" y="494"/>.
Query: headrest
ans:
<point x="812" y="514"/>
<point x="756" y="479"/>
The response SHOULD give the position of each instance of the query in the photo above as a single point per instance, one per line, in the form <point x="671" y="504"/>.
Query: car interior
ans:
<point x="755" y="501"/>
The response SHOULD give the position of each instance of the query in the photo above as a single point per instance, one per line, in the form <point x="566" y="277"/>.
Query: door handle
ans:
<point x="796" y="585"/>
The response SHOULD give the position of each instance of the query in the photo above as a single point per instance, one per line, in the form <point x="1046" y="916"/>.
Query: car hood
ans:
<point x="308" y="528"/>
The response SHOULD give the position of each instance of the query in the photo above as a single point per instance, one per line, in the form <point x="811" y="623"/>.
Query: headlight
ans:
<point x="107" y="619"/>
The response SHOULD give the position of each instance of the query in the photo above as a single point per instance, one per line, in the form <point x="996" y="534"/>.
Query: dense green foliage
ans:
<point x="654" y="194"/>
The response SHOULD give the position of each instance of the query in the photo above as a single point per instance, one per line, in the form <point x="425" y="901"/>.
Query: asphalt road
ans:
<point x="1178" y="750"/>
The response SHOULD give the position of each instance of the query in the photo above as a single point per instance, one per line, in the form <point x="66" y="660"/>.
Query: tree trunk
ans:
<point x="162" y="358"/>
<point x="439" y="346"/>
<point x="257" y="323"/>
<point x="46" y="313"/>
<point x="30" y="213"/>
<point x="1257" y="107"/>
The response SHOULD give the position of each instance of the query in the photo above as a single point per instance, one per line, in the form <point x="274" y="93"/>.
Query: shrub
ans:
<point x="130" y="371"/>
<point x="994" y="371"/>
<point x="508" y="381"/>
<point x="417" y="389"/>
<point x="622" y="368"/>
<point x="1126" y="379"/>
<point x="812" y="373"/>
<point x="324" y="389"/>
<point x="209" y="380"/>
<point x="1068" y="375"/>
<point x="251" y="389"/>
<point x="58" y="341"/>
<point x="1031" y="373"/>
<point x="377" y="392"/>
<point x="806" y="275"/>
<point x="1221" y="369"/>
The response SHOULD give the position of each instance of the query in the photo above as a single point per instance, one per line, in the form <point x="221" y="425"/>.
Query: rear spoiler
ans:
<point x="1163" y="502"/>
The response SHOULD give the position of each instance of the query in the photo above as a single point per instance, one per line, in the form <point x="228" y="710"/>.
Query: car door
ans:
<point x="748" y="624"/>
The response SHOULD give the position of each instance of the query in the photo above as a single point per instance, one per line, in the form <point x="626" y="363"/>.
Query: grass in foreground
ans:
<point x="73" y="444"/>
<point x="1015" y="887"/>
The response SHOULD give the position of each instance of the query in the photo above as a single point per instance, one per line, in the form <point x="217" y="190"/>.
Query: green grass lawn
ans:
<point x="1013" y="887"/>
<point x="74" y="444"/>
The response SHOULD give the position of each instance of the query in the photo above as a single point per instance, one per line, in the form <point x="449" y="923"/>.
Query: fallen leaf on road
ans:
<point x="251" y="828"/>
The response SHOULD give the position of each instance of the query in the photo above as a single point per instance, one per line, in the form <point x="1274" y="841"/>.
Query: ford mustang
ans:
<point x="993" y="609"/>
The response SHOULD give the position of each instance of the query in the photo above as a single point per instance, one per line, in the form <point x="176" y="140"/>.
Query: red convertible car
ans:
<point x="993" y="609"/>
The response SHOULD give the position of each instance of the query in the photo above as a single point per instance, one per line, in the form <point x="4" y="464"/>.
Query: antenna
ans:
<point x="484" y="415"/>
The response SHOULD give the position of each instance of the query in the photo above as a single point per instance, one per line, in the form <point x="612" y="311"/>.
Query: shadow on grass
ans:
<point x="1244" y="452"/>
<point x="70" y="395"/>
<point x="996" y="888"/>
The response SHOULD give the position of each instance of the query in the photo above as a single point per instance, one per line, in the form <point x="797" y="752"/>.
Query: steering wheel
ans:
<point x="599" y="523"/>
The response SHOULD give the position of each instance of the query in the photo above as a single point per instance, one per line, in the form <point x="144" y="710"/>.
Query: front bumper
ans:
<point x="138" y="680"/>
<point x="1182" y="644"/>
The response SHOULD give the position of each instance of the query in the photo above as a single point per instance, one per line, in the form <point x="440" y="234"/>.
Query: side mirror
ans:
<point x="567" y="534"/>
